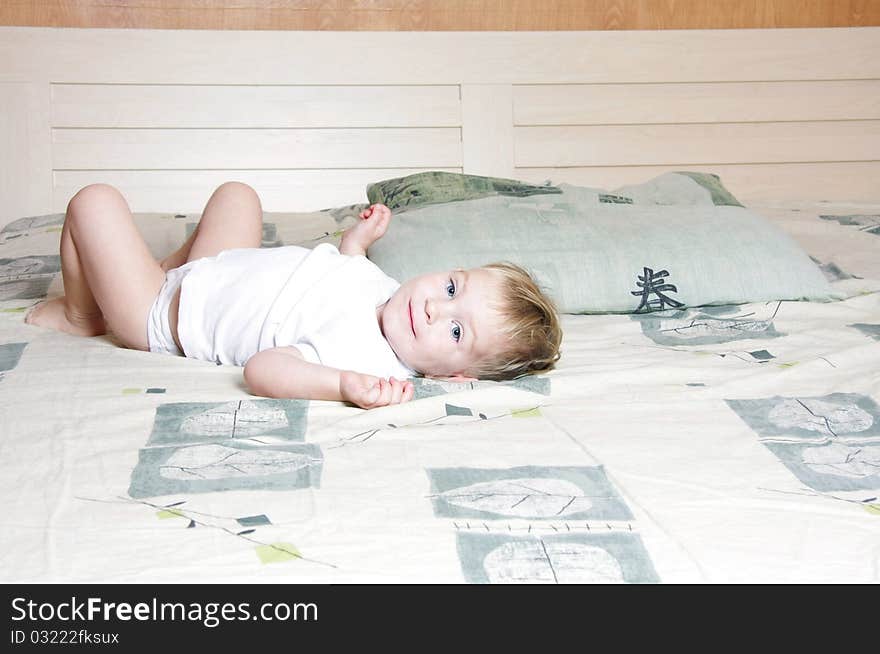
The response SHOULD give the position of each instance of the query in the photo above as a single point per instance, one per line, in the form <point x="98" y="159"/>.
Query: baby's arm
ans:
<point x="371" y="227"/>
<point x="283" y="373"/>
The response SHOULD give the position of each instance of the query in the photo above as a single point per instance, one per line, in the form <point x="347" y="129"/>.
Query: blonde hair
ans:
<point x="530" y="324"/>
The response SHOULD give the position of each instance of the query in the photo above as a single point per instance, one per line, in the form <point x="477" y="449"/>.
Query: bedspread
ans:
<point x="714" y="444"/>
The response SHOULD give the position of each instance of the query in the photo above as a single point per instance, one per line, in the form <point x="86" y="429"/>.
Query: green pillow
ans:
<point x="677" y="240"/>
<point x="437" y="187"/>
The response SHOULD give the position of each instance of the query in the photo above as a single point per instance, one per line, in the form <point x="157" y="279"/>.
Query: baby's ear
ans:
<point x="457" y="379"/>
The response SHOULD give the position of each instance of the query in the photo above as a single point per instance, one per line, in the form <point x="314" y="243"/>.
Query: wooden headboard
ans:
<point x="309" y="118"/>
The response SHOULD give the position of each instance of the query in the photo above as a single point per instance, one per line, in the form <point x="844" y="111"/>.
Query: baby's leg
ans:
<point x="233" y="218"/>
<point x="110" y="277"/>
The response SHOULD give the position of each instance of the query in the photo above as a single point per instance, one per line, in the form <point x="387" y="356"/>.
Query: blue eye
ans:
<point x="456" y="331"/>
<point x="450" y="288"/>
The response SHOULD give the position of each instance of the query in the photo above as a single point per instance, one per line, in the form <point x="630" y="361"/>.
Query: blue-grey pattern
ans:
<point x="254" y="521"/>
<point x="454" y="410"/>
<point x="527" y="492"/>
<point x="532" y="383"/>
<point x="616" y="557"/>
<point x="23" y="226"/>
<point x="830" y="443"/>
<point x="224" y="466"/>
<point x="27" y="277"/>
<point x="710" y="325"/>
<point x="844" y="416"/>
<point x="832" y="467"/>
<point x="869" y="223"/>
<point x="254" y="420"/>
<point x="10" y="354"/>
<point x="609" y="198"/>
<point x="424" y="387"/>
<point x="869" y="330"/>
<point x="833" y="272"/>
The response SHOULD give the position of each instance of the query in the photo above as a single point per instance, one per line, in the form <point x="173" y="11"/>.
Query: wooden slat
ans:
<point x="25" y="150"/>
<point x="115" y="105"/>
<point x="610" y="104"/>
<point x="255" y="148"/>
<point x="188" y="191"/>
<point x="721" y="143"/>
<point x="767" y="183"/>
<point x="487" y="131"/>
<point x="206" y="57"/>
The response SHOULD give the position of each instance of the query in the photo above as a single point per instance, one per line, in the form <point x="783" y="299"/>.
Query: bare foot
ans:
<point x="53" y="314"/>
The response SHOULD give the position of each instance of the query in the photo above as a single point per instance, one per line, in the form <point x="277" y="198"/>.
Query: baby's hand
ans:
<point x="372" y="225"/>
<point x="369" y="392"/>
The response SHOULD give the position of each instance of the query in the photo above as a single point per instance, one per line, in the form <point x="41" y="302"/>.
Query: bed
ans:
<point x="733" y="443"/>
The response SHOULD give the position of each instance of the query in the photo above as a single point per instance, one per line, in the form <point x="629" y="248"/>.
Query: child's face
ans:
<point x="440" y="324"/>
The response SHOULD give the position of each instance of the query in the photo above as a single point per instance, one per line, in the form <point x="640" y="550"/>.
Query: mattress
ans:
<point x="722" y="444"/>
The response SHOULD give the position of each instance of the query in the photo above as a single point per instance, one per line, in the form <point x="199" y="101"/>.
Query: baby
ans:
<point x="322" y="324"/>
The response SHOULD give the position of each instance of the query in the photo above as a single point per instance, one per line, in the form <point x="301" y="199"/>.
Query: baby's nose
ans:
<point x="434" y="310"/>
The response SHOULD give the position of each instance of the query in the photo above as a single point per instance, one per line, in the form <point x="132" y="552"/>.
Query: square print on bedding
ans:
<point x="830" y="443"/>
<point x="617" y="557"/>
<point x="10" y="355"/>
<point x="199" y="447"/>
<point x="710" y="325"/>
<point x="225" y="466"/>
<point x="31" y="225"/>
<point x="527" y="492"/>
<point x="200" y="422"/>
<point x="28" y="277"/>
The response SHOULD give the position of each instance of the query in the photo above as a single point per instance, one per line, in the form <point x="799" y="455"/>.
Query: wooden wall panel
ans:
<point x="697" y="144"/>
<point x="441" y="15"/>
<point x="760" y="137"/>
<point x="25" y="149"/>
<point x="120" y="149"/>
<point x="309" y="119"/>
<point x="249" y="106"/>
<point x="168" y="145"/>
<point x="622" y="104"/>
<point x="104" y="56"/>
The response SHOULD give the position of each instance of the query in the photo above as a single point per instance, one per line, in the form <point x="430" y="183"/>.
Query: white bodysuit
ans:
<point x="246" y="300"/>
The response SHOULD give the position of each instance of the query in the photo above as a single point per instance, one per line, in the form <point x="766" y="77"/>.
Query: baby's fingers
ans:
<point x="397" y="389"/>
<point x="387" y="391"/>
<point x="382" y="212"/>
<point x="409" y="391"/>
<point x="370" y="396"/>
<point x="384" y="395"/>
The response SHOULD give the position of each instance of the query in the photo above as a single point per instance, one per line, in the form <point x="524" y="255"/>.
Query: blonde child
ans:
<point x="322" y="324"/>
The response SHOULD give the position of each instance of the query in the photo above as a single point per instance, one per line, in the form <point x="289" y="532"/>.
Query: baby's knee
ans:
<point x="240" y="191"/>
<point x="89" y="197"/>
